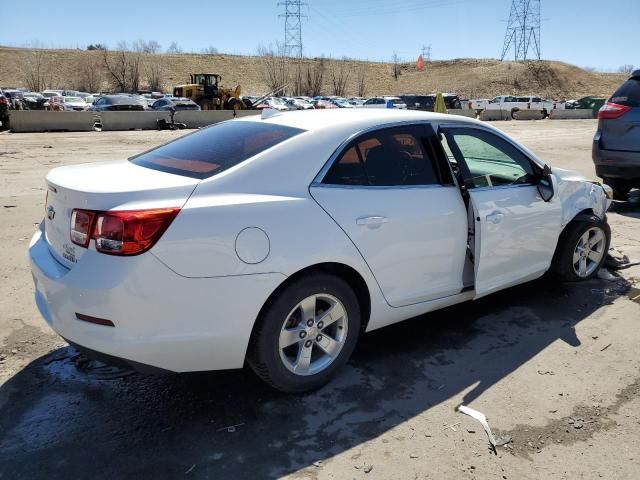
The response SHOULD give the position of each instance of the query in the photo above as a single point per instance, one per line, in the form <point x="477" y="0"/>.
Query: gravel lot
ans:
<point x="553" y="366"/>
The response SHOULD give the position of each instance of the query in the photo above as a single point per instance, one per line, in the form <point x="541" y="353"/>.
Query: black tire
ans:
<point x="264" y="351"/>
<point x="234" y="104"/>
<point x="513" y="113"/>
<point x="205" y="104"/>
<point x="620" y="188"/>
<point x="562" y="263"/>
<point x="248" y="104"/>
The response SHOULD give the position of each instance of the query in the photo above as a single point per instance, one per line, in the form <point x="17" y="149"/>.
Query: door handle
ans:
<point x="495" y="217"/>
<point x="372" y="222"/>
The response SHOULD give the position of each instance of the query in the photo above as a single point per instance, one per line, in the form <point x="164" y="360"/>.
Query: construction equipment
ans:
<point x="206" y="91"/>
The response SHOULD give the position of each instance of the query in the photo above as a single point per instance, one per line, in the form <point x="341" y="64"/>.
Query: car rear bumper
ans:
<point x="616" y="164"/>
<point x="160" y="319"/>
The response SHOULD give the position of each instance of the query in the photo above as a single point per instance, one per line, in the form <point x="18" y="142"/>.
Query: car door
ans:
<point x="397" y="202"/>
<point x="516" y="231"/>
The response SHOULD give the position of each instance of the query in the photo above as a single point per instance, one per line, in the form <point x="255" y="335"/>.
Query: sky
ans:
<point x="587" y="33"/>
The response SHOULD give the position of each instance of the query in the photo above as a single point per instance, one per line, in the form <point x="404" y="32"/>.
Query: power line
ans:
<point x="292" y="27"/>
<point x="523" y="30"/>
<point x="386" y="9"/>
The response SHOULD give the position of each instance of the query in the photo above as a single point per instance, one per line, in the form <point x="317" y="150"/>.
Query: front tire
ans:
<point x="582" y="248"/>
<point x="306" y="333"/>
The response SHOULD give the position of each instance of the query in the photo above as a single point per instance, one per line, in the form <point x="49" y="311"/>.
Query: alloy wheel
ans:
<point x="313" y="334"/>
<point x="589" y="252"/>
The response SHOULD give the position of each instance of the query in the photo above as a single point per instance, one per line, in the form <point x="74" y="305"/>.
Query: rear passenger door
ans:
<point x="397" y="202"/>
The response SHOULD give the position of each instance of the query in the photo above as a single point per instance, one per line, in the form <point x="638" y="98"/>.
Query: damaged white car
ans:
<point x="277" y="241"/>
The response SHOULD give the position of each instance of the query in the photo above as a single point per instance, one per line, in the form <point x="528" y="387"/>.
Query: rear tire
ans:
<point x="287" y="347"/>
<point x="620" y="188"/>
<point x="582" y="248"/>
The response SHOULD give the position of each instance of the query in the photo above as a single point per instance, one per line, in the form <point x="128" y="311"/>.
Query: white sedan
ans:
<point x="279" y="240"/>
<point x="385" y="102"/>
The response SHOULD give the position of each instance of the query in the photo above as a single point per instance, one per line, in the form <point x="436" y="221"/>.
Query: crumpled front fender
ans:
<point x="578" y="194"/>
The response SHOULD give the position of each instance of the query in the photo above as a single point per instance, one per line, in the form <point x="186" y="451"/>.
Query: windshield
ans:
<point x="209" y="151"/>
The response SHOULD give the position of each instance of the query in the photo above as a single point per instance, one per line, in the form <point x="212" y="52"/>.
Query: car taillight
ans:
<point x="612" y="110"/>
<point x="3" y="100"/>
<point x="127" y="232"/>
<point x="81" y="224"/>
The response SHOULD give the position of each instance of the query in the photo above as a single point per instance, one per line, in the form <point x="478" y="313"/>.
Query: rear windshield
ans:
<point x="628" y="94"/>
<point x="207" y="152"/>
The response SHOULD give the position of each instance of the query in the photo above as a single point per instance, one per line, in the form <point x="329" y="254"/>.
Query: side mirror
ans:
<point x="546" y="184"/>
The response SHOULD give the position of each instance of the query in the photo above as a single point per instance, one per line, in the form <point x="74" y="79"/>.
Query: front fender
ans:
<point x="578" y="194"/>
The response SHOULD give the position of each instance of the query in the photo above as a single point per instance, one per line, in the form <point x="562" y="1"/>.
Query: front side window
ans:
<point x="207" y="152"/>
<point x="489" y="161"/>
<point x="389" y="157"/>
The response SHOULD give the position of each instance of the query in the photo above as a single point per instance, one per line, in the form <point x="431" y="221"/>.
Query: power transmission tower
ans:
<point x="426" y="53"/>
<point x="523" y="30"/>
<point x="292" y="27"/>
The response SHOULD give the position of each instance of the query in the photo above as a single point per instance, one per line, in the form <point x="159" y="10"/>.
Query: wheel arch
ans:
<point x="340" y="270"/>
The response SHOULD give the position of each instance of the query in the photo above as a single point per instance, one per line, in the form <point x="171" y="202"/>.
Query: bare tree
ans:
<point x="123" y="67"/>
<point x="174" y="48"/>
<point x="311" y="77"/>
<point x="153" y="75"/>
<point x="91" y="75"/>
<point x="210" y="50"/>
<point x="274" y="66"/>
<point x="625" y="69"/>
<point x="395" y="64"/>
<point x="362" y="81"/>
<point x="151" y="46"/>
<point x="339" y="76"/>
<point x="36" y="67"/>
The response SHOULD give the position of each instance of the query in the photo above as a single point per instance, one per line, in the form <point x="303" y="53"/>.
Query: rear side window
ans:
<point x="210" y="151"/>
<point x="628" y="94"/>
<point x="389" y="157"/>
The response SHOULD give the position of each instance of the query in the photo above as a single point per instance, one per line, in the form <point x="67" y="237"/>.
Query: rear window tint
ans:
<point x="210" y="151"/>
<point x="628" y="94"/>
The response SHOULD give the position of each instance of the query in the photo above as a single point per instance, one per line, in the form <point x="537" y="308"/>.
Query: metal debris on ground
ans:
<point x="483" y="421"/>
<point x="230" y="428"/>
<point x="317" y="463"/>
<point x="616" y="260"/>
<point x="190" y="469"/>
<point x="503" y="441"/>
<point x="605" y="347"/>
<point x="452" y="426"/>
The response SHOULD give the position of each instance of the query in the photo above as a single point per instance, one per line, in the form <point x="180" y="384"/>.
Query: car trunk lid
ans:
<point x="623" y="133"/>
<point x="119" y="185"/>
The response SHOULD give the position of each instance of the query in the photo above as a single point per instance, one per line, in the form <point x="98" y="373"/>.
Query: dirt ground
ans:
<point x="553" y="366"/>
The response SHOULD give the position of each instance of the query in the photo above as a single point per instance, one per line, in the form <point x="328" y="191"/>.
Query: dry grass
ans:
<point x="471" y="78"/>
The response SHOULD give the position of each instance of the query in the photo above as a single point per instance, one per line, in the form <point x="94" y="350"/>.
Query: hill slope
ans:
<point x="470" y="78"/>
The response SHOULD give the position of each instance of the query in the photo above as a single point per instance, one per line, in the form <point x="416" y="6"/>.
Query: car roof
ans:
<point x="353" y="118"/>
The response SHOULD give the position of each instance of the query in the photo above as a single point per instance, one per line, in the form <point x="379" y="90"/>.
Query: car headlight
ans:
<point x="608" y="191"/>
